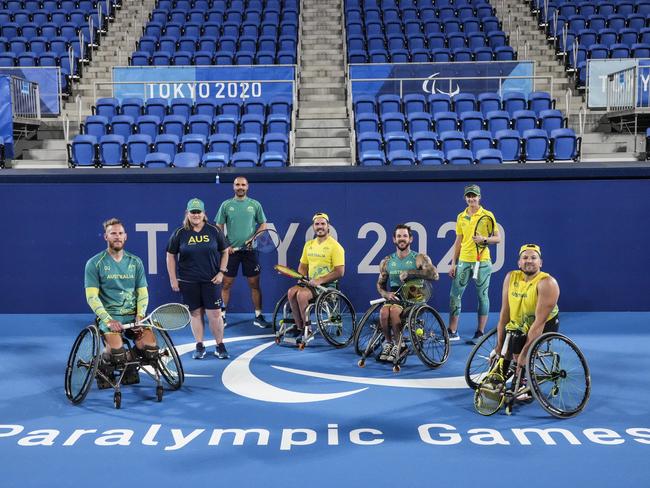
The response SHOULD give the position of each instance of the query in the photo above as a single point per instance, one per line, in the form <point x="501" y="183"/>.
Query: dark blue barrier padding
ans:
<point x="592" y="232"/>
<point x="6" y="120"/>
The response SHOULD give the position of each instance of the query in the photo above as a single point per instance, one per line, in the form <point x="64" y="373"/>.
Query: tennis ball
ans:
<point x="419" y="332"/>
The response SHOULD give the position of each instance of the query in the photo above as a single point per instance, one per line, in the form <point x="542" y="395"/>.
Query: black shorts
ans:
<point x="201" y="295"/>
<point x="519" y="340"/>
<point x="249" y="262"/>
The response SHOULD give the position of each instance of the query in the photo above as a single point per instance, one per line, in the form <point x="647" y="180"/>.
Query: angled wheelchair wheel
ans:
<point x="558" y="375"/>
<point x="169" y="362"/>
<point x="82" y="364"/>
<point x="367" y="336"/>
<point x="282" y="318"/>
<point x="429" y="335"/>
<point x="335" y="318"/>
<point x="478" y="362"/>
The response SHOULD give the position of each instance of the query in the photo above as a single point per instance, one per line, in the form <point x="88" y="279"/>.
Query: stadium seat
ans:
<point x="244" y="159"/>
<point x="565" y="146"/>
<point x="439" y="102"/>
<point x="82" y="151"/>
<point x="508" y="142"/>
<point x="215" y="160"/>
<point x="389" y="104"/>
<point x="369" y="141"/>
<point x="460" y="156"/>
<point x="106" y="107"/>
<point x="174" y="124"/>
<point x="372" y="158"/>
<point x="137" y="148"/>
<point x="95" y="125"/>
<point x="194" y="143"/>
<point x="392" y="122"/>
<point x="489" y="156"/>
<point x="431" y="157"/>
<point x="187" y="160"/>
<point x="276" y="143"/>
<point x="167" y="143"/>
<point x="181" y="106"/>
<point x="479" y="139"/>
<point x="123" y="125"/>
<point x="452" y="139"/>
<point x="523" y="120"/>
<point x="225" y="124"/>
<point x="149" y="125"/>
<point x="550" y="120"/>
<point x="272" y="159"/>
<point x="396" y="141"/>
<point x="132" y="107"/>
<point x="402" y="157"/>
<point x="156" y="106"/>
<point x="419" y="122"/>
<point x="445" y="121"/>
<point x="513" y="101"/>
<point x="111" y="150"/>
<point x="488" y="102"/>
<point x="497" y="120"/>
<point x="157" y="160"/>
<point x="365" y="105"/>
<point x="471" y="120"/>
<point x="536" y="145"/>
<point x="222" y="144"/>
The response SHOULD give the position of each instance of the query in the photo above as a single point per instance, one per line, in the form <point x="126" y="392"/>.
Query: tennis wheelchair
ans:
<point x="330" y="310"/>
<point x="86" y="364"/>
<point x="424" y="332"/>
<point x="556" y="375"/>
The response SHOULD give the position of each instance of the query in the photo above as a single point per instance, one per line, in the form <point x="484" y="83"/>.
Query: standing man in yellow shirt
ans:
<point x="464" y="259"/>
<point x="323" y="261"/>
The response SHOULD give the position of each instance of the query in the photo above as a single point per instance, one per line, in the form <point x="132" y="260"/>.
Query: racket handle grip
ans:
<point x="129" y="326"/>
<point x="477" y="265"/>
<point x="377" y="300"/>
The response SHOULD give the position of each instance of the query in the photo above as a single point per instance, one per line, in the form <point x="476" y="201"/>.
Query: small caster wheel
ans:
<point x="278" y="340"/>
<point x="159" y="393"/>
<point x="361" y="363"/>
<point x="396" y="368"/>
<point x="508" y="409"/>
<point x="301" y="346"/>
<point x="117" y="399"/>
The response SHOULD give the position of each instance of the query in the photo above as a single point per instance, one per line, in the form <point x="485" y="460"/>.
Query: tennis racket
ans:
<point x="264" y="241"/>
<point x="292" y="273"/>
<point x="411" y="292"/>
<point x="484" y="228"/>
<point x="170" y="316"/>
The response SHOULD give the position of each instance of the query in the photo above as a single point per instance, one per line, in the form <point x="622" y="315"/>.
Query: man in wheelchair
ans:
<point x="116" y="291"/>
<point x="323" y="262"/>
<point x="529" y="306"/>
<point x="396" y="269"/>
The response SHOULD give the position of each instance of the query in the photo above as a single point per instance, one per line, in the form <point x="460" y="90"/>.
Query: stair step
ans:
<point x="318" y="123"/>
<point x="307" y="142"/>
<point x="338" y="132"/>
<point x="322" y="152"/>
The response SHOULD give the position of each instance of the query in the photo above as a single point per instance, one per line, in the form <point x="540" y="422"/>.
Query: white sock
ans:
<point x="258" y="313"/>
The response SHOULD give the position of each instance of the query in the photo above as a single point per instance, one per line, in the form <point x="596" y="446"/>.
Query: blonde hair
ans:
<point x="187" y="225"/>
<point x="112" y="221"/>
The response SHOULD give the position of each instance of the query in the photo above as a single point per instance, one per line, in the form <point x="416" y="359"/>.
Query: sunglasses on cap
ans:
<point x="530" y="247"/>
<point x="321" y="215"/>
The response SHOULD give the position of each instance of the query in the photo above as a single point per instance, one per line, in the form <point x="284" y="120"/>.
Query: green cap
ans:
<point x="195" y="204"/>
<point x="475" y="189"/>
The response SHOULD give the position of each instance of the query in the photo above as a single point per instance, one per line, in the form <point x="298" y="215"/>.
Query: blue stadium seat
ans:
<point x="140" y="58"/>
<point x="479" y="139"/>
<point x="415" y="103"/>
<point x="509" y="143"/>
<point x="439" y="102"/>
<point x="174" y="124"/>
<point x="366" y="122"/>
<point x="549" y="120"/>
<point x="513" y="101"/>
<point x="82" y="151"/>
<point x="460" y="156"/>
<point x="452" y="139"/>
<point x="244" y="159"/>
<point x="471" y="120"/>
<point x="523" y="120"/>
<point x="403" y="157"/>
<point x="106" y="107"/>
<point x="157" y="160"/>
<point x="431" y="157"/>
<point x="280" y="106"/>
<point x="137" y="148"/>
<point x="419" y="122"/>
<point x="389" y="103"/>
<point x="539" y="101"/>
<point x="187" y="160"/>
<point x="200" y="124"/>
<point x="206" y="106"/>
<point x="194" y="143"/>
<point x="424" y="141"/>
<point x="123" y="125"/>
<point x="149" y="125"/>
<point x="111" y="150"/>
<point x="489" y="156"/>
<point x="626" y="36"/>
<point x="393" y="122"/>
<point x="365" y="104"/>
<point x="271" y="159"/>
<point x="369" y="141"/>
<point x="249" y="143"/>
<point x="445" y="121"/>
<point x="536" y="145"/>
<point x="441" y="55"/>
<point x="95" y="125"/>
<point x="565" y="146"/>
<point x="167" y="143"/>
<point x="231" y="107"/>
<point x="156" y="106"/>
<point x="215" y="160"/>
<point x="396" y="141"/>
<point x="488" y="102"/>
<point x="257" y="107"/>
<point x="277" y="143"/>
<point x="226" y="124"/>
<point x="372" y="158"/>
<point x="181" y="106"/>
<point x="464" y="102"/>
<point x="252" y="124"/>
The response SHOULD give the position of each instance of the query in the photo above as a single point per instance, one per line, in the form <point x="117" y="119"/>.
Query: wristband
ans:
<point x="223" y="271"/>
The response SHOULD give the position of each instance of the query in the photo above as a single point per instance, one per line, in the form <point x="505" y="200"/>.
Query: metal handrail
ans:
<point x="79" y="102"/>
<point x="66" y="128"/>
<point x="582" y="119"/>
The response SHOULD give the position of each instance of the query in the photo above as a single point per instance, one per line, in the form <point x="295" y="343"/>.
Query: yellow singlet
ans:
<point x="322" y="258"/>
<point x="522" y="298"/>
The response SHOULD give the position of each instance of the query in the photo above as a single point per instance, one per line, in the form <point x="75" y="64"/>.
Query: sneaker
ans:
<point x="385" y="351"/>
<point x="199" y="352"/>
<point x="477" y="336"/>
<point x="395" y="354"/>
<point x="261" y="322"/>
<point x="221" y="352"/>
<point x="453" y="336"/>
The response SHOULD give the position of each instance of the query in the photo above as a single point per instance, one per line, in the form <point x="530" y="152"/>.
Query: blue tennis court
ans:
<point x="277" y="416"/>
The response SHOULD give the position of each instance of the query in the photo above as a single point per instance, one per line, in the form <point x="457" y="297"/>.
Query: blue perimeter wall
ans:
<point x="593" y="233"/>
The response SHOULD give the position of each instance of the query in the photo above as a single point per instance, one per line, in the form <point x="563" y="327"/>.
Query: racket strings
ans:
<point x="170" y="316"/>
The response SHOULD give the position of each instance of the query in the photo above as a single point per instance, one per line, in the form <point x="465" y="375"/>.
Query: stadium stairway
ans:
<point x="49" y="149"/>
<point x="322" y="126"/>
<point x="599" y="141"/>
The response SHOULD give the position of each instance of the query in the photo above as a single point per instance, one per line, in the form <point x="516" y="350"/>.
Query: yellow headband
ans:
<point x="531" y="247"/>
<point x="321" y="215"/>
